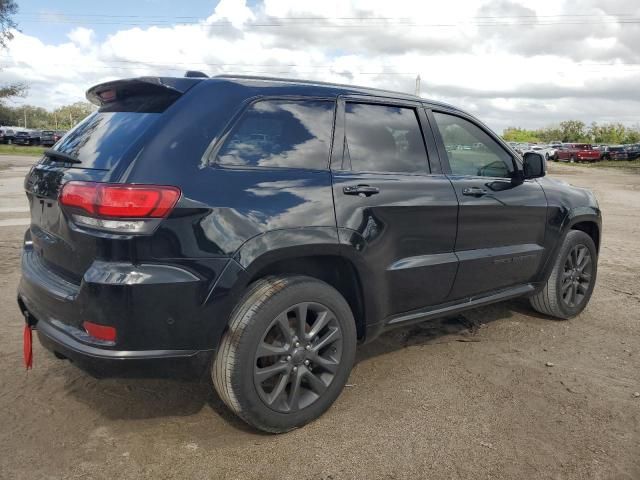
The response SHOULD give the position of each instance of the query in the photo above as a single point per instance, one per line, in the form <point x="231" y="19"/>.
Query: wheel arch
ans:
<point x="328" y="266"/>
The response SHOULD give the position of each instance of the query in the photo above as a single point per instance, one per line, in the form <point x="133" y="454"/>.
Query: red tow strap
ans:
<point x="27" y="347"/>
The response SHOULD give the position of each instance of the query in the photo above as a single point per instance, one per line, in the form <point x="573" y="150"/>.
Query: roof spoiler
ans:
<point x="108" y="92"/>
<point x="195" y="74"/>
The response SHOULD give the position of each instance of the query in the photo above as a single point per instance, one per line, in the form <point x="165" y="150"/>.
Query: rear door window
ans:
<point x="384" y="138"/>
<point x="281" y="133"/>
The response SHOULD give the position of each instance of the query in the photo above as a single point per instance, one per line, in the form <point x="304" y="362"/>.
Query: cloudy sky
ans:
<point x="510" y="62"/>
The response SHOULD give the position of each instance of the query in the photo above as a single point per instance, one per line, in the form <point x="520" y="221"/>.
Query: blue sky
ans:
<point x="32" y="18"/>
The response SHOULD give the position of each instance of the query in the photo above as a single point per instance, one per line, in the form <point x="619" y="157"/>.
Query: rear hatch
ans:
<point x="99" y="149"/>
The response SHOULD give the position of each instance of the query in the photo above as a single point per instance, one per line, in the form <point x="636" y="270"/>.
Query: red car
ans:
<point x="577" y="152"/>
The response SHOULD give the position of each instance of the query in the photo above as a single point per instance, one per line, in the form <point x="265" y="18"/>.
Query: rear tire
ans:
<point x="570" y="285"/>
<point x="572" y="159"/>
<point x="287" y="353"/>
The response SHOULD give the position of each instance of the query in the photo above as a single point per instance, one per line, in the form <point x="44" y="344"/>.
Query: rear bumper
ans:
<point x="160" y="312"/>
<point x="65" y="342"/>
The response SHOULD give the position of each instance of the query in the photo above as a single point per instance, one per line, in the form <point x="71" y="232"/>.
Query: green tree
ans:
<point x="62" y="118"/>
<point x="514" y="134"/>
<point x="8" y="8"/>
<point x="573" y="131"/>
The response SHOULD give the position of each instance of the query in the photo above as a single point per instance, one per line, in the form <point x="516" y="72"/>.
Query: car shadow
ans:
<point x="464" y="327"/>
<point x="148" y="392"/>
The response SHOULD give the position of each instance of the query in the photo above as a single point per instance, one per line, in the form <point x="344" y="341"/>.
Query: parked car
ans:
<point x="261" y="228"/>
<point x="633" y="152"/>
<point x="603" y="150"/>
<point x="27" y="137"/>
<point x="550" y="151"/>
<point x="7" y="135"/>
<point x="577" y="152"/>
<point x="616" y="152"/>
<point x="49" y="137"/>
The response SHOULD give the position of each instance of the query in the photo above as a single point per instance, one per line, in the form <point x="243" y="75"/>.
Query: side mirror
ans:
<point x="533" y="165"/>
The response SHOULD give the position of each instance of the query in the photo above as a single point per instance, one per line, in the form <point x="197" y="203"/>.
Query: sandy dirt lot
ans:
<point x="469" y="397"/>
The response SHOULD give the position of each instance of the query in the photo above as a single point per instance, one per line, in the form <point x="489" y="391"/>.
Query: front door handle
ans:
<point x="474" y="191"/>
<point x="361" y="190"/>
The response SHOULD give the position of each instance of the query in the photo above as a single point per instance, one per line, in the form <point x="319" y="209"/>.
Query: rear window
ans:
<point x="102" y="138"/>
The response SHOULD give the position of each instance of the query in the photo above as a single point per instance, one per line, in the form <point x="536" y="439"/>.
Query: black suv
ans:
<point x="266" y="226"/>
<point x="50" y="137"/>
<point x="27" y="137"/>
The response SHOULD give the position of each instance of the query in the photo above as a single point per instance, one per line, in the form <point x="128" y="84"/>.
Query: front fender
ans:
<point x="558" y="230"/>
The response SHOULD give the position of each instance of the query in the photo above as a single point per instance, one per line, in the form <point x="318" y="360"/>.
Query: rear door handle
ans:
<point x="474" y="191"/>
<point x="361" y="190"/>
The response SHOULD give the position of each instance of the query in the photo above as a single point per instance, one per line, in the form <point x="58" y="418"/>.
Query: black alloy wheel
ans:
<point x="298" y="357"/>
<point x="577" y="276"/>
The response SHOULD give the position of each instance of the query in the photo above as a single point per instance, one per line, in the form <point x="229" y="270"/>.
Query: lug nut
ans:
<point x="297" y="344"/>
<point x="288" y="358"/>
<point x="295" y="369"/>
<point x="306" y="362"/>
<point x="308" y="347"/>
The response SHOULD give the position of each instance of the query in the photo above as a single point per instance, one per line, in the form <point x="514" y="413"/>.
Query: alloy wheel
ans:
<point x="576" y="276"/>
<point x="298" y="357"/>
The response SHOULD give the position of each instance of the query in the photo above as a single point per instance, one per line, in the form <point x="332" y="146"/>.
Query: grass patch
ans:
<point x="21" y="150"/>
<point x="625" y="164"/>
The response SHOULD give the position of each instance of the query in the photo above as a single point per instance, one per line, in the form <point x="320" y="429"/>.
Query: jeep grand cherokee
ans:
<point x="268" y="226"/>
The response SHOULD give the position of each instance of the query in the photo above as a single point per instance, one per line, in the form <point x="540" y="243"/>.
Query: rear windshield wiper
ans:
<point x="65" y="157"/>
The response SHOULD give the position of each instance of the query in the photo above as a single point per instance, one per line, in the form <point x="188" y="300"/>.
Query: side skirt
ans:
<point x="450" y="308"/>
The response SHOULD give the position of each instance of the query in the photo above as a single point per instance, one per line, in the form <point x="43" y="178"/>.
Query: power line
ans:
<point x="318" y="17"/>
<point x="351" y="22"/>
<point x="153" y="63"/>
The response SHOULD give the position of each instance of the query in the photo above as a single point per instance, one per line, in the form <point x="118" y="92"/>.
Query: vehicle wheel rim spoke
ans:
<point x="301" y="320"/>
<point x="329" y="365"/>
<point x="270" y="350"/>
<point x="278" y="391"/>
<point x="316" y="384"/>
<point x="294" y="393"/>
<point x="332" y="336"/>
<point x="267" y="372"/>
<point x="283" y="324"/>
<point x="319" y="324"/>
<point x="298" y="357"/>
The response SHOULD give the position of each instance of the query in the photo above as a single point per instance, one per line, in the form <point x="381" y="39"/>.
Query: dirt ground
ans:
<point x="466" y="398"/>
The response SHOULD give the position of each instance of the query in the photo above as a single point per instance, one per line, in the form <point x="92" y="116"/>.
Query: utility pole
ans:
<point x="418" y="85"/>
<point x="25" y="116"/>
<point x="70" y="121"/>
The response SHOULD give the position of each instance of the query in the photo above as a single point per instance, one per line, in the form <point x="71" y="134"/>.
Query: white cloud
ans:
<point x="478" y="56"/>
<point x="81" y="36"/>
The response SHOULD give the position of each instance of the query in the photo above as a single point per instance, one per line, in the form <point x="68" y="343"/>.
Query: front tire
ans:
<point x="287" y="353"/>
<point x="570" y="285"/>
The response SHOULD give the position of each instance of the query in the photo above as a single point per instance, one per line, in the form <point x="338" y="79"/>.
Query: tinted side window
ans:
<point x="383" y="138"/>
<point x="470" y="150"/>
<point x="281" y="133"/>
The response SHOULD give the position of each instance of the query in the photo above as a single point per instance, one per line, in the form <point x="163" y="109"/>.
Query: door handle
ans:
<point x="361" y="190"/>
<point x="474" y="191"/>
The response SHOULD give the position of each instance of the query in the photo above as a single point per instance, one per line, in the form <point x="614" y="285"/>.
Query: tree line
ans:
<point x="576" y="131"/>
<point x="38" y="118"/>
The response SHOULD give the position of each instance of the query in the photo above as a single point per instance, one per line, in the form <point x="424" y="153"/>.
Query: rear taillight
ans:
<point x="118" y="207"/>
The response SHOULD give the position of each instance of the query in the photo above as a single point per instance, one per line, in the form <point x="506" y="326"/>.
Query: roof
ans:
<point x="344" y="88"/>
